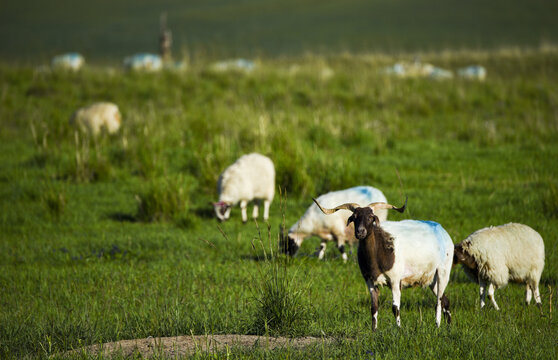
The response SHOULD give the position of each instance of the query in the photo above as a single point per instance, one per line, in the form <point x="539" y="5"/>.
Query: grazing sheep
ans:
<point x="473" y="72"/>
<point x="494" y="256"/>
<point x="143" y="62"/>
<point x="251" y="177"/>
<point x="93" y="118"/>
<point x="331" y="228"/>
<point x="70" y="61"/>
<point x="400" y="254"/>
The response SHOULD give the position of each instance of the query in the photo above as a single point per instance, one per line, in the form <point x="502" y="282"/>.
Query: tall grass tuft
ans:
<point x="164" y="199"/>
<point x="280" y="307"/>
<point x="53" y="199"/>
<point x="90" y="162"/>
<point x="550" y="201"/>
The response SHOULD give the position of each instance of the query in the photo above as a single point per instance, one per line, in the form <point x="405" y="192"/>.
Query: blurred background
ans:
<point x="103" y="30"/>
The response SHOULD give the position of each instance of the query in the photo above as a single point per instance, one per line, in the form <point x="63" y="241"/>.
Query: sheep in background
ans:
<point x="400" y="254"/>
<point x="70" y="61"/>
<point x="93" y="118"/>
<point x="250" y="178"/>
<point x="493" y="256"/>
<point x="473" y="72"/>
<point x="334" y="227"/>
<point x="143" y="62"/>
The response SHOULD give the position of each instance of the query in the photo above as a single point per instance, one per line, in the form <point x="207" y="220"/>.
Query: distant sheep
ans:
<point x="473" y="72"/>
<point x="143" y="62"/>
<point x="493" y="256"/>
<point x="93" y="118"/>
<point x="333" y="227"/>
<point x="250" y="178"/>
<point x="70" y="61"/>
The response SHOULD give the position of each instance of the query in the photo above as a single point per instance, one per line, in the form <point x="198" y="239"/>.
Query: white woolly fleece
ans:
<point x="507" y="252"/>
<point x="250" y="177"/>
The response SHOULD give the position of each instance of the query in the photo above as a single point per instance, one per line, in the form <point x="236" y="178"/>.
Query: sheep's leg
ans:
<point x="438" y="287"/>
<point x="528" y="294"/>
<point x="374" y="292"/>
<point x="341" y="248"/>
<point x="340" y="240"/>
<point x="320" y="251"/>
<point x="446" y="308"/>
<point x="438" y="292"/>
<point x="491" y="295"/>
<point x="396" y="305"/>
<point x="266" y="204"/>
<point x="482" y="293"/>
<point x="255" y="211"/>
<point x="243" y="206"/>
<point x="537" y="294"/>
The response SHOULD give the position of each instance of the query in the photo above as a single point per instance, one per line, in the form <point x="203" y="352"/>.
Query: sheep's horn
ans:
<point x="347" y="206"/>
<point x="382" y="205"/>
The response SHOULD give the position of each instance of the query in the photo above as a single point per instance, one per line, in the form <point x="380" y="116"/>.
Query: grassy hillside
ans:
<point x="82" y="262"/>
<point x="35" y="30"/>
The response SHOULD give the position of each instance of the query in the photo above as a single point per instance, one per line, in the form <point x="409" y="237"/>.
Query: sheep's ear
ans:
<point x="351" y="219"/>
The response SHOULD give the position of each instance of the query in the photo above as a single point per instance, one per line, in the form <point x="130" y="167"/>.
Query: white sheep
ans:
<point x="250" y="178"/>
<point x="400" y="254"/>
<point x="143" y="62"/>
<point x="334" y="227"/>
<point x="69" y="61"/>
<point x="493" y="256"/>
<point x="93" y="118"/>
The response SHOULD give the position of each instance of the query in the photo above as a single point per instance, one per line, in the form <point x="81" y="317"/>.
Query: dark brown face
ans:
<point x="460" y="256"/>
<point x="364" y="219"/>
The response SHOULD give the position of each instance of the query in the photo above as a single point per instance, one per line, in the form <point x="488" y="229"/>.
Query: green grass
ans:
<point x="81" y="263"/>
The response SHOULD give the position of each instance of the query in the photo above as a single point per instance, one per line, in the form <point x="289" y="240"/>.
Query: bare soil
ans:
<point x="188" y="345"/>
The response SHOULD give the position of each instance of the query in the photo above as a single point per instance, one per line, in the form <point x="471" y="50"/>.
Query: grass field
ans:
<point x="81" y="262"/>
<point x="35" y="30"/>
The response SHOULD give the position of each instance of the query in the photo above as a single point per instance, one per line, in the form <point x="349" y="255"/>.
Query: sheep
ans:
<point x="69" y="61"/>
<point x="250" y="178"/>
<point x="93" y="118"/>
<point x="143" y="62"/>
<point x="493" y="256"/>
<point x="473" y="72"/>
<point x="330" y="228"/>
<point x="400" y="254"/>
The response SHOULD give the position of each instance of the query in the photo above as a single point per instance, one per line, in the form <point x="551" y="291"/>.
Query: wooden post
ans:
<point x="165" y="40"/>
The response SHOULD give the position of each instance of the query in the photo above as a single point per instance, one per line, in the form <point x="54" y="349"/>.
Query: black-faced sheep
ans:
<point x="493" y="256"/>
<point x="334" y="227"/>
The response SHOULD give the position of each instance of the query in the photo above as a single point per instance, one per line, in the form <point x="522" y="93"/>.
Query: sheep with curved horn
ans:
<point x="400" y="254"/>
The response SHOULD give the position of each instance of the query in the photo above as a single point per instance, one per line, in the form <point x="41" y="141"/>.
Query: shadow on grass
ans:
<point x="121" y="217"/>
<point x="205" y="212"/>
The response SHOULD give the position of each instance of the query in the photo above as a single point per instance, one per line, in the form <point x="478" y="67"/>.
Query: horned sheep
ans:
<point x="93" y="118"/>
<point x="400" y="254"/>
<point x="250" y="178"/>
<point x="334" y="227"/>
<point x="493" y="256"/>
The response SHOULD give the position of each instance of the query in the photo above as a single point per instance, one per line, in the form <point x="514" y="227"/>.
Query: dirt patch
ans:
<point x="188" y="345"/>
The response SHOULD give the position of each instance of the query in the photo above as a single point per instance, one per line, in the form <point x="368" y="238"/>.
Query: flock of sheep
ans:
<point x="398" y="254"/>
<point x="393" y="253"/>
